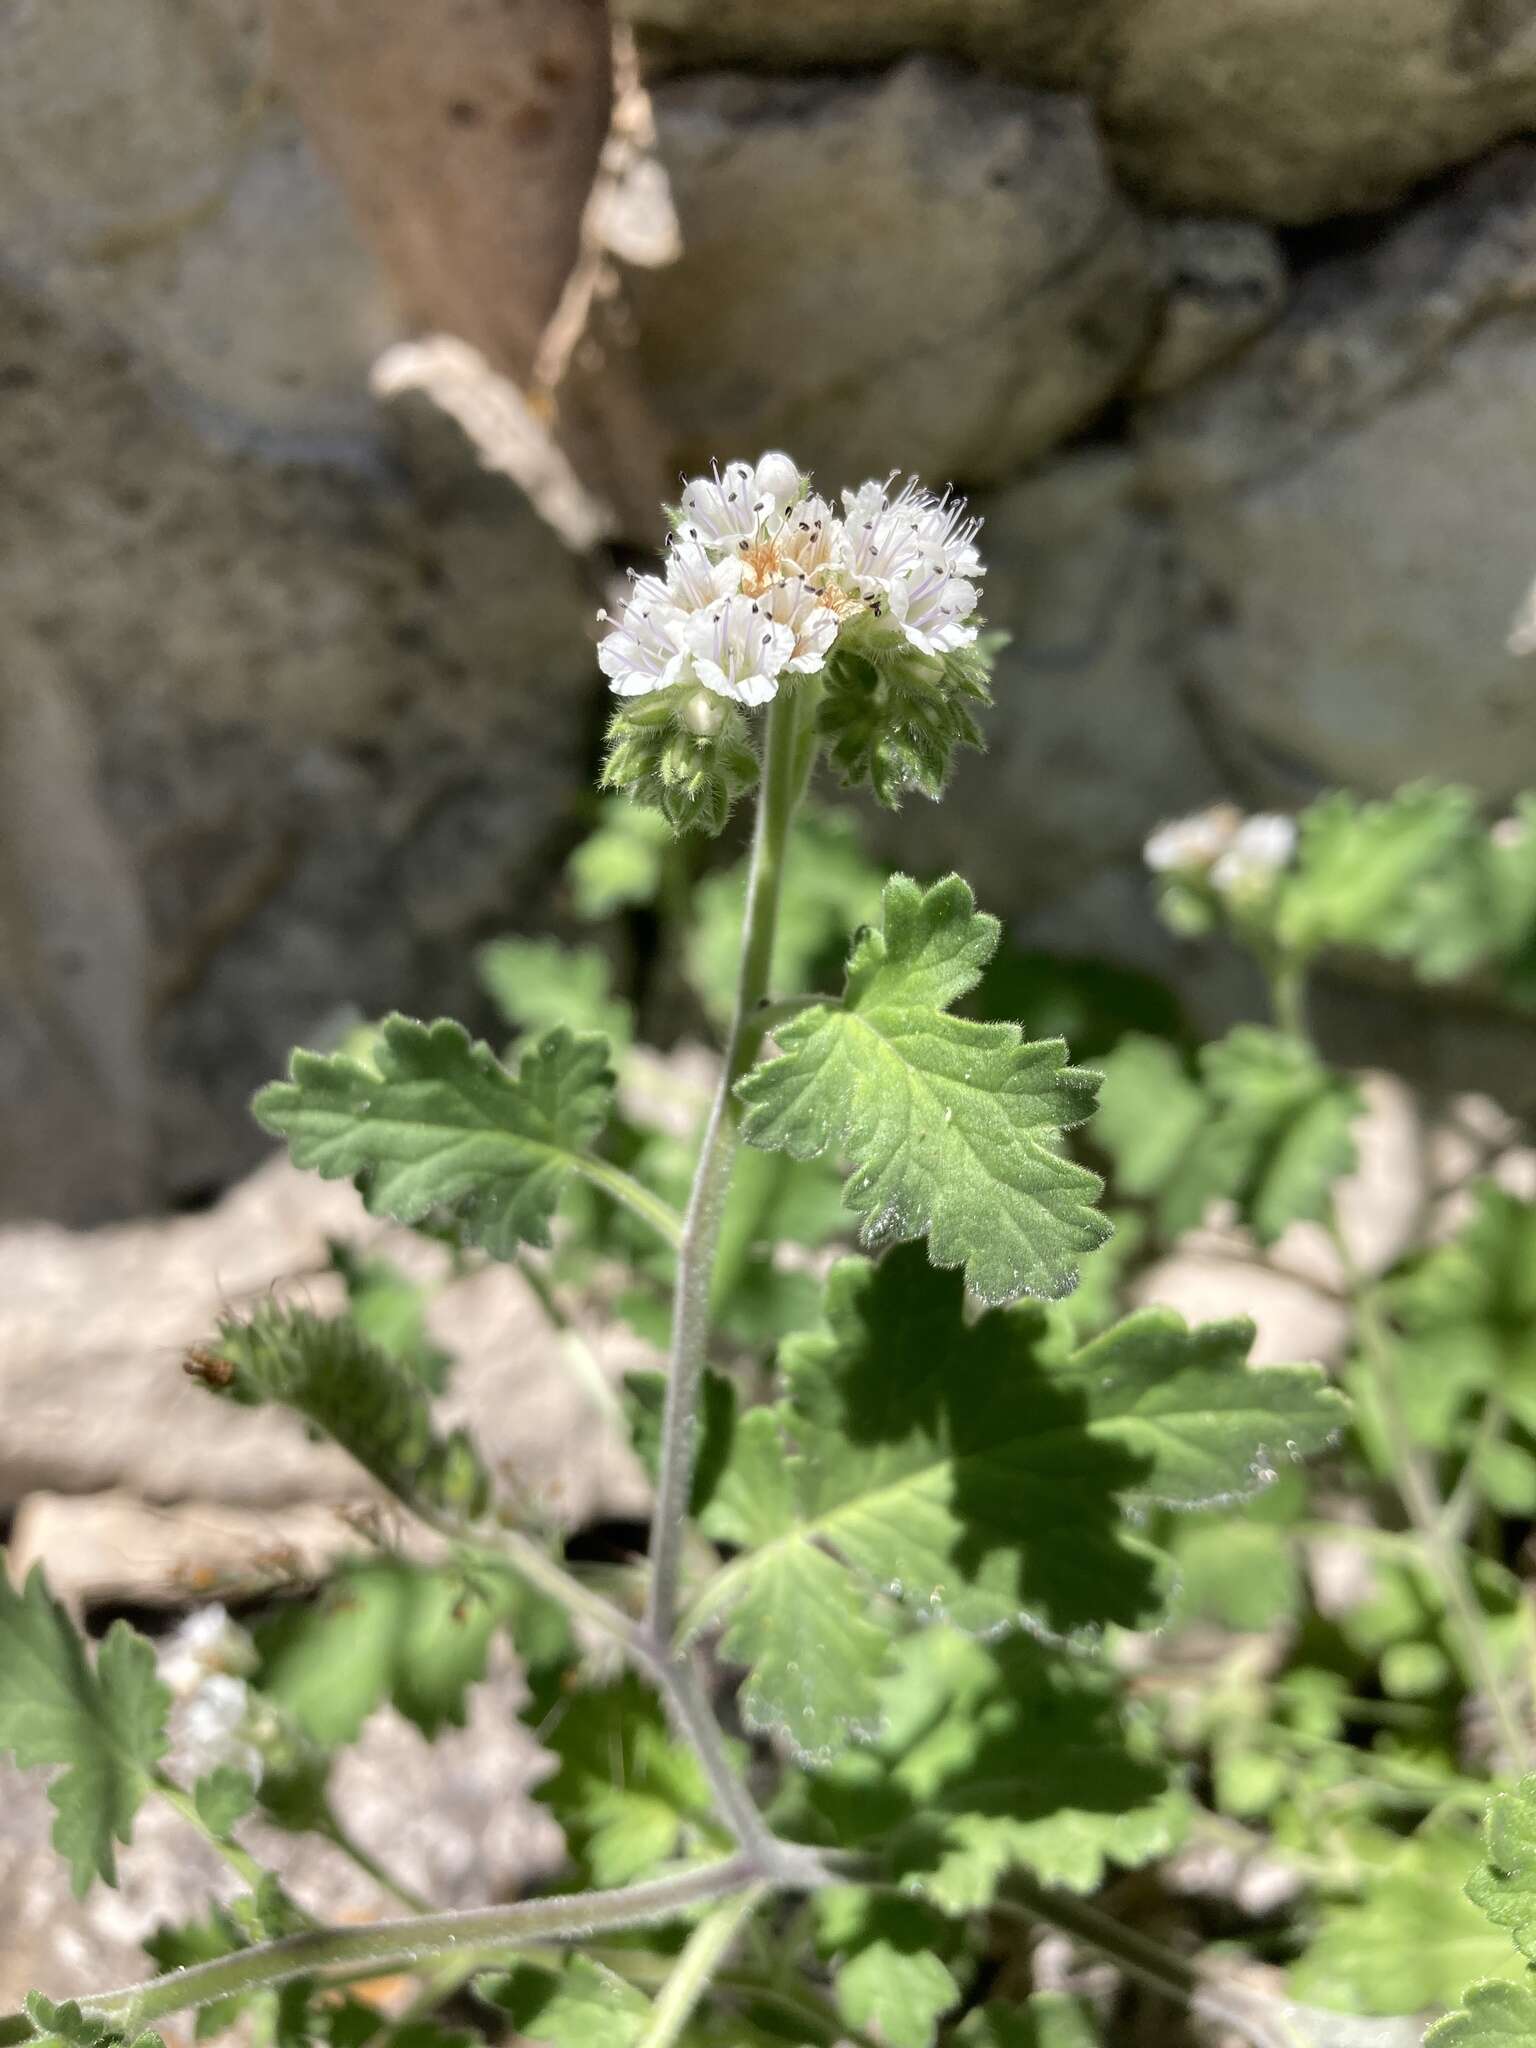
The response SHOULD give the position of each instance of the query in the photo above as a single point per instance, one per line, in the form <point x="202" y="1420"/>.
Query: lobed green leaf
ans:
<point x="103" y="1724"/>
<point x="953" y="1127"/>
<point x="974" y="1471"/>
<point x="441" y="1125"/>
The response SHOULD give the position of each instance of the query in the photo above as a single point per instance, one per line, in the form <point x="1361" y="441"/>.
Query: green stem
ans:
<point x="390" y="1946"/>
<point x="1263" y="2021"/>
<point x="241" y="1861"/>
<point x="705" y="1950"/>
<point x="579" y="1354"/>
<point x="661" y="1216"/>
<point x="1461" y="1501"/>
<point x="1288" y="996"/>
<point x="333" y="1831"/>
<point x="1440" y="1555"/>
<point x="784" y="769"/>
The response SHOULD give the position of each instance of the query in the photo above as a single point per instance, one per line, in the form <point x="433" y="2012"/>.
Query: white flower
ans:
<point x="213" y="1729"/>
<point x="738" y="650"/>
<point x="643" y="651"/>
<point x="694" y="582"/>
<point x="1261" y="847"/>
<point x="932" y="607"/>
<point x="913" y="556"/>
<point x="728" y="510"/>
<point x="797" y="604"/>
<point x="1192" y="843"/>
<point x="1508" y="833"/>
<point x="205" y="1645"/>
<point x="809" y="537"/>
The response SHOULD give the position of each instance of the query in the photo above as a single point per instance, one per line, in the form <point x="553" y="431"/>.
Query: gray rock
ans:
<point x="94" y="1324"/>
<point x="1350" y="505"/>
<point x="206" y="234"/>
<point x="1225" y="282"/>
<point x="927" y="268"/>
<point x="1089" y="742"/>
<point x="1290" y="113"/>
<point x="1045" y="41"/>
<point x="1309" y="109"/>
<point x="74" y="982"/>
<point x="312" y="728"/>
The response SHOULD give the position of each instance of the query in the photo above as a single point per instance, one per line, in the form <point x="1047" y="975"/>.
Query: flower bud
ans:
<point x="702" y="714"/>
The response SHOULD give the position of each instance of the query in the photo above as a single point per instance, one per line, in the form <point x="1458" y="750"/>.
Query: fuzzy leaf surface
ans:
<point x="538" y="984"/>
<point x="1504" y="1887"/>
<point x="104" y="1725"/>
<point x="1494" y="2015"/>
<point x="627" y="1795"/>
<point x="1264" y="1125"/>
<point x="443" y="1126"/>
<point x="1412" y="1941"/>
<point x="974" y="1471"/>
<point x="414" y="1637"/>
<point x="1048" y="2019"/>
<point x="994" y="1757"/>
<point x="952" y="1127"/>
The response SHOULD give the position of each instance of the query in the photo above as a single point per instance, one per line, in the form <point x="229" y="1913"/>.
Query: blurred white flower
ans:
<point x="1261" y="847"/>
<point x="1508" y="833"/>
<point x="213" y="1729"/>
<point x="1192" y="844"/>
<point x="205" y="1645"/>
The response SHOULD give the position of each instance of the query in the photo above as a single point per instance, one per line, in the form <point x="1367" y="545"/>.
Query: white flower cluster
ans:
<point x="1235" y="853"/>
<point x="205" y="1664"/>
<point x="761" y="573"/>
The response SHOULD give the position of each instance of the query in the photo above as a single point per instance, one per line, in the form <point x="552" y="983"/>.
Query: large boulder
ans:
<point x="925" y="267"/>
<point x="150" y="182"/>
<point x="1291" y="110"/>
<point x="280" y="739"/>
<point x="1351" y="506"/>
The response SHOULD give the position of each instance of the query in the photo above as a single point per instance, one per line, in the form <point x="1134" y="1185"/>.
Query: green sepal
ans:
<point x="682" y="752"/>
<point x="892" y="718"/>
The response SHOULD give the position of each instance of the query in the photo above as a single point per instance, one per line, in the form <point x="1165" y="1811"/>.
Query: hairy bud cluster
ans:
<point x="763" y="583"/>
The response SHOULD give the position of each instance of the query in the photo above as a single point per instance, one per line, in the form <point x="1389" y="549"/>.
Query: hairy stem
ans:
<point x="241" y="1861"/>
<point x="395" y="1945"/>
<point x="706" y="1949"/>
<point x="784" y="770"/>
<point x="660" y="1215"/>
<point x="1440" y="1554"/>
<point x="333" y="1831"/>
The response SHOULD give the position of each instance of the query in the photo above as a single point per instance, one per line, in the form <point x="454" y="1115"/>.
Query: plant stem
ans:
<point x="785" y="765"/>
<point x="333" y="1831"/>
<point x="241" y="1861"/>
<point x="1288" y="996"/>
<point x="705" y="1950"/>
<point x="1263" y="2021"/>
<point x="396" y="1945"/>
<point x="578" y="1351"/>
<point x="661" y="1216"/>
<point x="1439" y="1553"/>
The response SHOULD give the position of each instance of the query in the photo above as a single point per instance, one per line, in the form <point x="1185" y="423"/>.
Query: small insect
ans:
<point x="207" y="1366"/>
